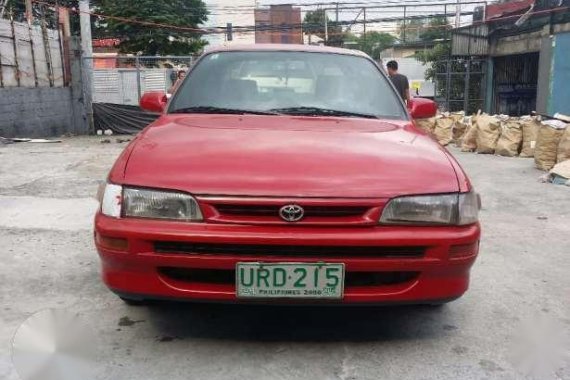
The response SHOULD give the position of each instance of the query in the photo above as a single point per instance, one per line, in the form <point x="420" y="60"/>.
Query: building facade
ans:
<point x="525" y="45"/>
<point x="278" y="24"/>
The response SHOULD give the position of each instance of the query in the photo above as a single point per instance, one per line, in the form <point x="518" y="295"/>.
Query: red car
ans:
<point x="287" y="174"/>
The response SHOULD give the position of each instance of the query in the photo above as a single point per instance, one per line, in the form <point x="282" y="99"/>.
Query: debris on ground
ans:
<point x="469" y="140"/>
<point x="128" y="322"/>
<point x="426" y="125"/>
<point x="443" y="131"/>
<point x="488" y="133"/>
<point x="560" y="173"/>
<point x="561" y="117"/>
<point x="530" y="126"/>
<point x="105" y="141"/>
<point x="546" y="138"/>
<point x="5" y="140"/>
<point x="120" y="141"/>
<point x="549" y="136"/>
<point x="460" y="128"/>
<point x="510" y="142"/>
<point x="564" y="147"/>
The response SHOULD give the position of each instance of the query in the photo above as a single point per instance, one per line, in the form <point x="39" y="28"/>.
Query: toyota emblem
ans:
<point x="292" y="213"/>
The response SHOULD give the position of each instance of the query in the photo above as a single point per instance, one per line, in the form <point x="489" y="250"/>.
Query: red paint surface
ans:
<point x="135" y="271"/>
<point x="276" y="160"/>
<point x="154" y="101"/>
<point x="421" y="108"/>
<point x="288" y="156"/>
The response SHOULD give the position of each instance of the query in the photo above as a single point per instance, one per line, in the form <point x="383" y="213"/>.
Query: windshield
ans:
<point x="299" y="83"/>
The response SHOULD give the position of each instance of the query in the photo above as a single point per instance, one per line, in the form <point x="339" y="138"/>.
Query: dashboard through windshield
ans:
<point x="295" y="83"/>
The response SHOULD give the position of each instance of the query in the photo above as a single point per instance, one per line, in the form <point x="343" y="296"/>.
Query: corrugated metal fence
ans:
<point x="472" y="40"/>
<point x="30" y="56"/>
<point x="118" y="82"/>
<point x="123" y="79"/>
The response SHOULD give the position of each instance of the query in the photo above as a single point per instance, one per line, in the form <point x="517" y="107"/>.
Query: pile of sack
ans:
<point x="548" y="141"/>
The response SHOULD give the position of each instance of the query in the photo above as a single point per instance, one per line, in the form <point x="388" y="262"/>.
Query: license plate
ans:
<point x="290" y="280"/>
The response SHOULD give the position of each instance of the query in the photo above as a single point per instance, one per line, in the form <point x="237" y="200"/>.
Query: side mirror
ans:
<point x="154" y="101"/>
<point x="421" y="108"/>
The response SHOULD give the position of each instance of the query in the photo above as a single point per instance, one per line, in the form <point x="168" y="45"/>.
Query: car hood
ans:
<point x="288" y="157"/>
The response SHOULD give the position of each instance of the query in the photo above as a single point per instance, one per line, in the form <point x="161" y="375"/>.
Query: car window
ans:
<point x="265" y="81"/>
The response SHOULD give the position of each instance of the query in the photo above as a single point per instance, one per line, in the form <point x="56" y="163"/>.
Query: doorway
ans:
<point x="515" y="84"/>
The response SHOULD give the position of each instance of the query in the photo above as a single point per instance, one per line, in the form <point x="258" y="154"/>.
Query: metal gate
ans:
<point x="460" y="84"/>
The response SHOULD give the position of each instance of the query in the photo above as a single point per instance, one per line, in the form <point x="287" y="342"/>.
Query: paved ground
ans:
<point x="522" y="279"/>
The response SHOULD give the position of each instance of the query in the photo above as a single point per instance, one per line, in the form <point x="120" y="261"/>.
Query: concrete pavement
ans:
<point x="520" y="285"/>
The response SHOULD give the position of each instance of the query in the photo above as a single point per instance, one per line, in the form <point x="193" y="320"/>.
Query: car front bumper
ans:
<point x="438" y="271"/>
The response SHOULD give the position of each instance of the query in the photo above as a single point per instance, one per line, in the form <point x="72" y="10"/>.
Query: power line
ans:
<point x="253" y="28"/>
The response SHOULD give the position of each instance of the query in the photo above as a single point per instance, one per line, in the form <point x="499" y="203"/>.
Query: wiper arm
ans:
<point x="316" y="111"/>
<point x="222" y="110"/>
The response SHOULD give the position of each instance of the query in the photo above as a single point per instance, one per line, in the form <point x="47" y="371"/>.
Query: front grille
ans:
<point x="289" y="250"/>
<point x="310" y="211"/>
<point x="227" y="277"/>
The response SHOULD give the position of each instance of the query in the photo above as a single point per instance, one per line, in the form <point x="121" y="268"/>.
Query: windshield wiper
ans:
<point x="222" y="110"/>
<point x="316" y="111"/>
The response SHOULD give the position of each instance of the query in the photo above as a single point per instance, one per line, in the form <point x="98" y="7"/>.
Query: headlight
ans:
<point x="111" y="201"/>
<point x="156" y="204"/>
<point x="469" y="206"/>
<point x="447" y="209"/>
<point x="153" y="204"/>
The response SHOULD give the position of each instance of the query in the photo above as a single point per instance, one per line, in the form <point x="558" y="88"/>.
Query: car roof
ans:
<point x="285" y="47"/>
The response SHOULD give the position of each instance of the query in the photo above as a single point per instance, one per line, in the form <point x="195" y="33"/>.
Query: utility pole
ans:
<point x="337" y="13"/>
<point x="458" y="14"/>
<point x="87" y="60"/>
<point x="229" y="32"/>
<point x="326" y="27"/>
<point x="29" y="12"/>
<point x="404" y="26"/>
<point x="446" y="21"/>
<point x="364" y="15"/>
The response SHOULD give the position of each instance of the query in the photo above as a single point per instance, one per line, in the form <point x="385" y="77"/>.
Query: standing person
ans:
<point x="400" y="81"/>
<point x="179" y="79"/>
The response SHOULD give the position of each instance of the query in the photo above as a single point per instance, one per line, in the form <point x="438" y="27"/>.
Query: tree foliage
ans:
<point x="432" y="56"/>
<point x="42" y="11"/>
<point x="411" y="30"/>
<point x="135" y="38"/>
<point x="372" y="43"/>
<point x="150" y="40"/>
<point x="422" y="29"/>
<point x="316" y="22"/>
<point x="436" y="29"/>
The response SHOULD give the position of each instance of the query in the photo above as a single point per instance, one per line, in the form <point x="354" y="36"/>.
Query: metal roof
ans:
<point x="498" y="10"/>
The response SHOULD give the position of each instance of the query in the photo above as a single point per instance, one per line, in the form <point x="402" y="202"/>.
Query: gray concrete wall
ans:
<point x="518" y="44"/>
<point x="35" y="112"/>
<point x="524" y="42"/>
<point x="45" y="111"/>
<point x="544" y="75"/>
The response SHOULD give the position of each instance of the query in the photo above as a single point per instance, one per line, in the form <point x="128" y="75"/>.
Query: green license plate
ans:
<point x="290" y="280"/>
